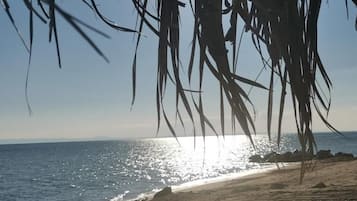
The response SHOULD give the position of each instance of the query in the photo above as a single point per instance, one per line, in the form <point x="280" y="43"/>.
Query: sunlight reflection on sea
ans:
<point x="123" y="169"/>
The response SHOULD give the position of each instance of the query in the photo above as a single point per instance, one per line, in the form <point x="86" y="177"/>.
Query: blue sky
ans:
<point x="90" y="98"/>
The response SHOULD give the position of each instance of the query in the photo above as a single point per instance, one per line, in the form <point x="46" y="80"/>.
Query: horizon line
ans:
<point x="108" y="138"/>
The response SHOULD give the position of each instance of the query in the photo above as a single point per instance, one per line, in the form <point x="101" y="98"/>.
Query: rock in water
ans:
<point x="344" y="156"/>
<point x="324" y="154"/>
<point x="164" y="192"/>
<point x="256" y="158"/>
<point x="320" y="185"/>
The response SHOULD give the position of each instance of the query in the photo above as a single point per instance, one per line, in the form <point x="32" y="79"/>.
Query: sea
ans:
<point x="116" y="170"/>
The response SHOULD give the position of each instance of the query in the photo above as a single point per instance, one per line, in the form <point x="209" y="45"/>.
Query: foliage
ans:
<point x="287" y="30"/>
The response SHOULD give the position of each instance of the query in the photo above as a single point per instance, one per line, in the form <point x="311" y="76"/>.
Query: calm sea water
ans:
<point x="119" y="170"/>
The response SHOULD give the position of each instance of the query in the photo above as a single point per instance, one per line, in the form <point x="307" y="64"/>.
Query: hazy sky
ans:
<point x="91" y="98"/>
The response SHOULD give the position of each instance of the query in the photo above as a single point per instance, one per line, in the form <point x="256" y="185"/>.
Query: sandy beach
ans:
<point x="327" y="180"/>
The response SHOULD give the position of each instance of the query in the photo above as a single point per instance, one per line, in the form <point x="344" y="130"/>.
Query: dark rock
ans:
<point x="345" y="155"/>
<point x="286" y="157"/>
<point x="294" y="157"/>
<point x="278" y="186"/>
<point x="164" y="192"/>
<point x="340" y="156"/>
<point x="271" y="157"/>
<point x="274" y="157"/>
<point x="324" y="154"/>
<point x="320" y="185"/>
<point x="256" y="158"/>
<point x="299" y="156"/>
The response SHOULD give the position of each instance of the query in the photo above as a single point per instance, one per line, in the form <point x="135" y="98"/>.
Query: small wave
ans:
<point x="120" y="197"/>
<point x="221" y="178"/>
<point x="141" y="196"/>
<point x="196" y="183"/>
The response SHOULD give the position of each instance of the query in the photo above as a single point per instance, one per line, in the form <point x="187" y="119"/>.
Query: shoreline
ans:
<point x="187" y="186"/>
<point x="328" y="180"/>
<point x="226" y="177"/>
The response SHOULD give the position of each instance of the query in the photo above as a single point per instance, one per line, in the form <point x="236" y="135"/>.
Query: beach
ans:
<point x="135" y="169"/>
<point x="325" y="180"/>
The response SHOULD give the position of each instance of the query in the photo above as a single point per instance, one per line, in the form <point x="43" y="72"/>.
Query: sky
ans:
<point x="89" y="98"/>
